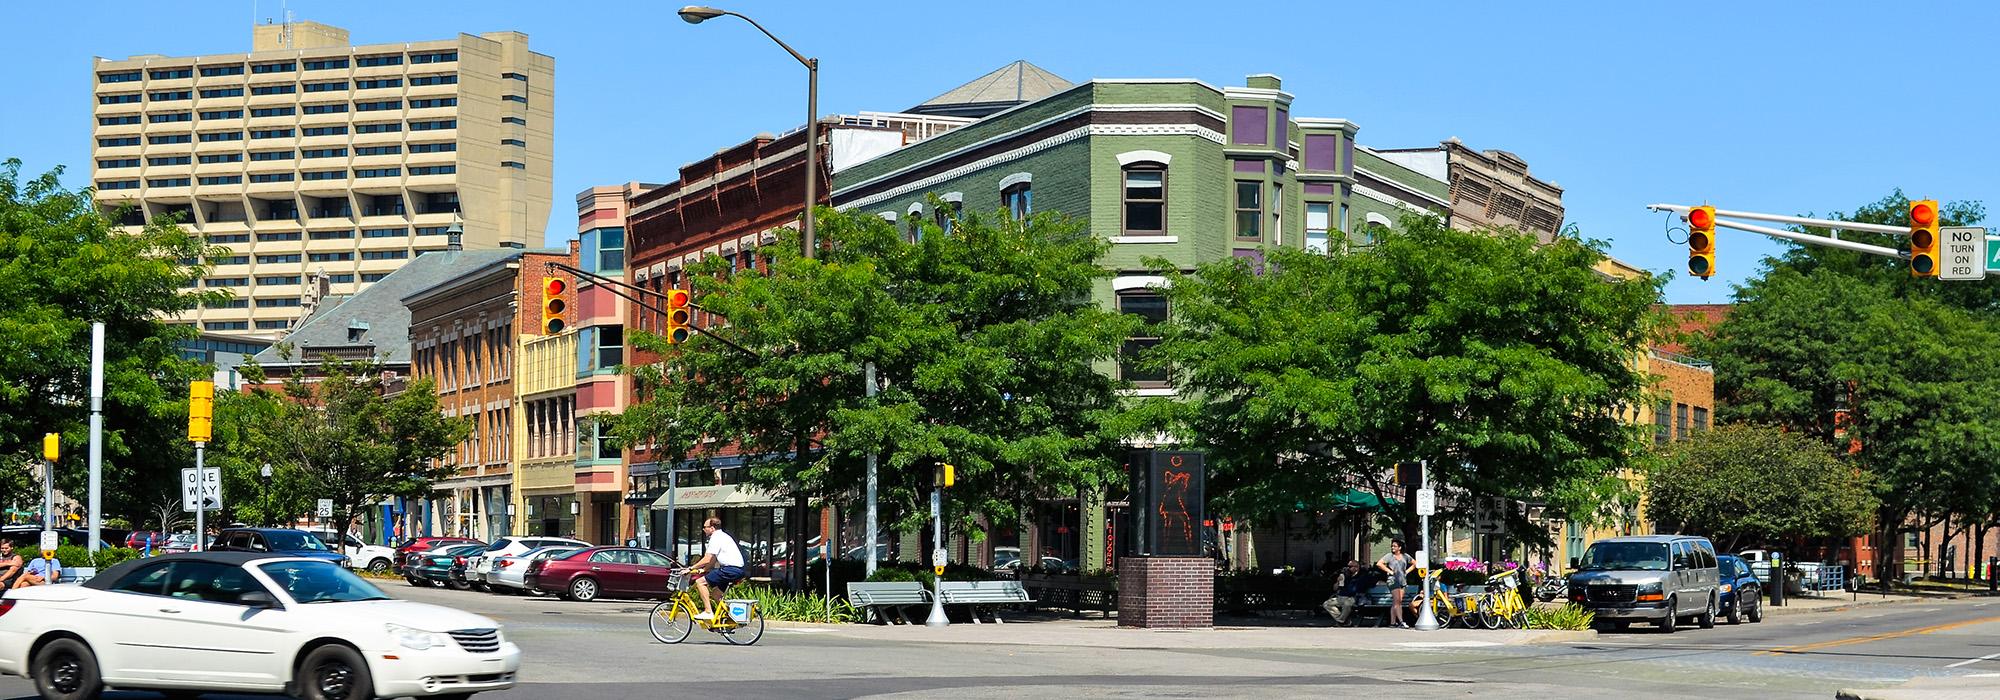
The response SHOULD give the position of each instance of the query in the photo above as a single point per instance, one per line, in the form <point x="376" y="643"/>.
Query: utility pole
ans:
<point x="1426" y="619"/>
<point x="868" y="370"/>
<point x="96" y="434"/>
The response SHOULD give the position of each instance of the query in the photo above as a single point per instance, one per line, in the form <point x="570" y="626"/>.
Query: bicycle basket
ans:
<point x="679" y="581"/>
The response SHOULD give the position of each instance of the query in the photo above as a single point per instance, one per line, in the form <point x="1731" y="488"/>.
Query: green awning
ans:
<point x="1351" y="499"/>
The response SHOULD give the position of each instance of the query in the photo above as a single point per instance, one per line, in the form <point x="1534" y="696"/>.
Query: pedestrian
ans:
<point x="1348" y="587"/>
<point x="10" y="564"/>
<point x="40" y="571"/>
<point x="1397" y="565"/>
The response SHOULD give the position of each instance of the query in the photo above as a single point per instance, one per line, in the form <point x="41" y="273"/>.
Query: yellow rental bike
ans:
<point x="1462" y="609"/>
<point x="1502" y="603"/>
<point x="737" y="620"/>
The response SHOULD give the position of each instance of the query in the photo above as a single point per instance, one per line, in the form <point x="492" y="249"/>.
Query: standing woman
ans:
<point x="1397" y="565"/>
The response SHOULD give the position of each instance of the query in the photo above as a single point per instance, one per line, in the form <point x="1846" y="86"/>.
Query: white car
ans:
<point x="478" y="567"/>
<point x="509" y="573"/>
<point x="361" y="555"/>
<point x="245" y="622"/>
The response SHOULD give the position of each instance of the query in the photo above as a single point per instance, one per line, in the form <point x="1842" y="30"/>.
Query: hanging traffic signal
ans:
<point x="553" y="305"/>
<point x="1924" y="238"/>
<point x="1701" y="241"/>
<point x="678" y="317"/>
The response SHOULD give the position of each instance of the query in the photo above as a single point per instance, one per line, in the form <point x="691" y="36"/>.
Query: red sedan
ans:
<point x="415" y="545"/>
<point x="602" y="572"/>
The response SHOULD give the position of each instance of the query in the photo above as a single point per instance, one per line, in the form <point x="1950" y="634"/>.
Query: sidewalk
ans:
<point x="1844" y="601"/>
<point x="1107" y="633"/>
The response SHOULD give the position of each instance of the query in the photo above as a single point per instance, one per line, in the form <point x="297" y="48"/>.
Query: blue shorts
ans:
<point x="723" y="575"/>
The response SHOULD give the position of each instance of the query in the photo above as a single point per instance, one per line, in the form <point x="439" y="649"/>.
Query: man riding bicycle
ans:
<point x="723" y="562"/>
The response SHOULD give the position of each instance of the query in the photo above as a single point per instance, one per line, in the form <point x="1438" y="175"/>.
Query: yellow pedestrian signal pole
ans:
<point x="201" y="414"/>
<point x="946" y="475"/>
<point x="1701" y="241"/>
<point x="51" y="449"/>
<point x="1924" y="238"/>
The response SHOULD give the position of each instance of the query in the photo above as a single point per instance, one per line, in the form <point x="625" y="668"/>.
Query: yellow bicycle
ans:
<point x="1447" y="607"/>
<point x="1502" y="603"/>
<point x="737" y="620"/>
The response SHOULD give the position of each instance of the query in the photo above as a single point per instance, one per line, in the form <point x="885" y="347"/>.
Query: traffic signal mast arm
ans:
<point x="1805" y="238"/>
<point x="614" y="285"/>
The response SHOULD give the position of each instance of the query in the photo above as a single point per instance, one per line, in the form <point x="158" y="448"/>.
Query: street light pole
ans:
<point x="1426" y="619"/>
<point x="265" y="499"/>
<point x="696" y="14"/>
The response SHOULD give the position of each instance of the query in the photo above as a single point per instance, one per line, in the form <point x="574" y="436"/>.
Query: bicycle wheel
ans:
<point x="747" y="631"/>
<point x="1489" y="612"/>
<point x="670" y="622"/>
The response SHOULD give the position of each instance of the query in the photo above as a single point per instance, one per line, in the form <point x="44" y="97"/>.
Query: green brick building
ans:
<point x="1170" y="168"/>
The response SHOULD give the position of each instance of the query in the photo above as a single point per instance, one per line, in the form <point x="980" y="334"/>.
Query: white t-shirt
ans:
<point x="724" y="548"/>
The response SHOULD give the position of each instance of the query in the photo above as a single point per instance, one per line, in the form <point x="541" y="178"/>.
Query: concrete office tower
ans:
<point x="325" y="166"/>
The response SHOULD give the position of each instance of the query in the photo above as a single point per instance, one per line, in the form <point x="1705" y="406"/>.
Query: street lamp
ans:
<point x="265" y="498"/>
<point x="696" y="14"/>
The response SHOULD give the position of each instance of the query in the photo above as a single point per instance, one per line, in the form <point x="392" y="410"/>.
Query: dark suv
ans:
<point x="276" y="541"/>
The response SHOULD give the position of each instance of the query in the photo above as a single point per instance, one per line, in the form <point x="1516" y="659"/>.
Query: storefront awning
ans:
<point x="729" y="496"/>
<point x="1350" y="499"/>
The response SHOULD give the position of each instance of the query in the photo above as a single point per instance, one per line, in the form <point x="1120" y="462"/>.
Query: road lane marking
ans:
<point x="1969" y="662"/>
<point x="1876" y="637"/>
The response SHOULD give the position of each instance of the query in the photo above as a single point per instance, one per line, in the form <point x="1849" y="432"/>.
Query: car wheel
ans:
<point x="1707" y="619"/>
<point x="378" y="566"/>
<point x="483" y="587"/>
<point x="1757" y="607"/>
<point x="583" y="588"/>
<point x="67" y="670"/>
<point x="1672" y="620"/>
<point x="459" y="584"/>
<point x="414" y="581"/>
<point x="335" y="672"/>
<point x="1736" y="610"/>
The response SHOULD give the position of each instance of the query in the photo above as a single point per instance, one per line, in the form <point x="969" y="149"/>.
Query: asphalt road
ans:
<point x="601" y="651"/>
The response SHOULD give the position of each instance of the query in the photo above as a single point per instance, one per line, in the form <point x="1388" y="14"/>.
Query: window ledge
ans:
<point x="1152" y="391"/>
<point x="1145" y="239"/>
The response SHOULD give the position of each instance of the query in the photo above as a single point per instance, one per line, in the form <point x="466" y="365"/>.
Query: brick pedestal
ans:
<point x="1168" y="592"/>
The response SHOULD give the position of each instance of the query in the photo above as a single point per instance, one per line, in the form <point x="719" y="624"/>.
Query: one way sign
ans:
<point x="201" y="487"/>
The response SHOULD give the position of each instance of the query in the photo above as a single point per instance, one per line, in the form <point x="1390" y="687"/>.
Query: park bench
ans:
<point x="978" y="594"/>
<point x="887" y="600"/>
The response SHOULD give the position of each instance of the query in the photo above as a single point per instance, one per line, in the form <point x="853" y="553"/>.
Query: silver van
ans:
<point x="1657" y="578"/>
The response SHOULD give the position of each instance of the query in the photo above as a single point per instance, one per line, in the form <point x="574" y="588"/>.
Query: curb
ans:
<point x="1860" y="603"/>
<point x="1947" y="688"/>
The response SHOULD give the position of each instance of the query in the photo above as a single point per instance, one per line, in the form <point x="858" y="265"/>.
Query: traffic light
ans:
<point x="1701" y="241"/>
<point x="201" y="410"/>
<point x="553" y="305"/>
<point x="1924" y="238"/>
<point x="678" y="317"/>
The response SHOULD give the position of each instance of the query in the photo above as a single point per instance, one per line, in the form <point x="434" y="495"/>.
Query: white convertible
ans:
<point x="229" y="621"/>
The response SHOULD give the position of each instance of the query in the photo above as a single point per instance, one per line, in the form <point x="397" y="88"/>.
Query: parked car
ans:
<point x="242" y="622"/>
<point x="443" y="567"/>
<point x="1742" y="593"/>
<point x="140" y="538"/>
<point x="510" y="573"/>
<point x="420" y="544"/>
<point x="602" y="572"/>
<point x="1657" y="578"/>
<point x="361" y="555"/>
<point x="479" y="565"/>
<point x="178" y="543"/>
<point x="29" y="537"/>
<point x="272" y="540"/>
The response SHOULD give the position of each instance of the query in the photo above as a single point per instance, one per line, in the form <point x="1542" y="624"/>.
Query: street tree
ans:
<point x="985" y="337"/>
<point x="342" y="437"/>
<point x="1914" y="378"/>
<point x="1893" y="274"/>
<point x="1744" y="485"/>
<point x="243" y="446"/>
<point x="1503" y="364"/>
<point x="64" y="263"/>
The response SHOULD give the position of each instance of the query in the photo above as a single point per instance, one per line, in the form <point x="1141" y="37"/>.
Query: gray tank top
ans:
<point x="1399" y="565"/>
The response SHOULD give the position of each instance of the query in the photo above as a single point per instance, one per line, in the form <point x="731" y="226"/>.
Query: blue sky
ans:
<point x="1782" y="107"/>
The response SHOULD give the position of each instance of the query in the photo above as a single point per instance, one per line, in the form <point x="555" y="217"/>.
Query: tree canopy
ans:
<point x="1504" y="364"/>
<point x="985" y="338"/>
<point x="63" y="265"/>
<point x="1744" y="485"/>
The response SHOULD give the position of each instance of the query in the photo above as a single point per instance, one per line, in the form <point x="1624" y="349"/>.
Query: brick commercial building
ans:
<point x="466" y="332"/>
<point x="311" y="155"/>
<point x="598" y="348"/>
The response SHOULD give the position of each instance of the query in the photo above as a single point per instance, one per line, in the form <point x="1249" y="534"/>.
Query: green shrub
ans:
<point x="795" y="607"/>
<point x="907" y="571"/>
<point x="73" y="555"/>
<point x="1568" y="617"/>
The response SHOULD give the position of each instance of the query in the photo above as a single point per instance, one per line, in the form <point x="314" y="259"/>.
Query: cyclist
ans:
<point x="723" y="562"/>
